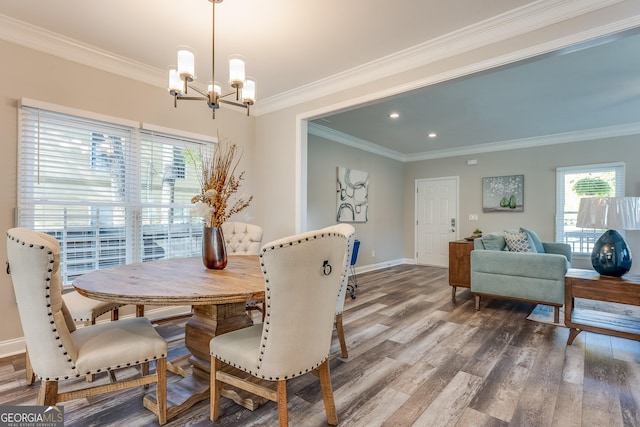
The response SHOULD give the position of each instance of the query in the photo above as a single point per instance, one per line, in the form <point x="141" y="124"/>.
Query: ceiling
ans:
<point x="293" y="47"/>
<point x="586" y="91"/>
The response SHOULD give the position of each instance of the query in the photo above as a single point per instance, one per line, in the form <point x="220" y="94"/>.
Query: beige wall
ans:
<point x="383" y="232"/>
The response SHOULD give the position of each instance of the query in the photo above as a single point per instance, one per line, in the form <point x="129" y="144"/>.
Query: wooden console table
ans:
<point x="459" y="265"/>
<point x="588" y="284"/>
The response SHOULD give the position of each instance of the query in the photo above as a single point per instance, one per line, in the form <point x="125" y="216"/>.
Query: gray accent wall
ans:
<point x="383" y="232"/>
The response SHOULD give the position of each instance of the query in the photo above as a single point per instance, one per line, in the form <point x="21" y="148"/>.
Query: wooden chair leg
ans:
<point x="283" y="414"/>
<point x="556" y="314"/>
<point x="215" y="388"/>
<point x="31" y="377"/>
<point x="48" y="393"/>
<point x="477" y="302"/>
<point x="161" y="390"/>
<point x="327" y="393"/>
<point x="340" y="330"/>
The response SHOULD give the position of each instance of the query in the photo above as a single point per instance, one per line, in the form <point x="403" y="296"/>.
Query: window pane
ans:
<point x="576" y="183"/>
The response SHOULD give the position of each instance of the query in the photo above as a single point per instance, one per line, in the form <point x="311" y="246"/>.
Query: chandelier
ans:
<point x="180" y="78"/>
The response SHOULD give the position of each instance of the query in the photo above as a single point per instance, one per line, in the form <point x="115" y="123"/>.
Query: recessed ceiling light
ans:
<point x="394" y="115"/>
<point x="432" y="135"/>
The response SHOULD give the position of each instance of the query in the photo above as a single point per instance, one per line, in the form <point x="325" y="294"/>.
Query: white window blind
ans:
<point x="573" y="183"/>
<point x="112" y="194"/>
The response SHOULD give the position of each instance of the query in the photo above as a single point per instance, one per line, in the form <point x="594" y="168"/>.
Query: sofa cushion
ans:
<point x="534" y="240"/>
<point x="518" y="241"/>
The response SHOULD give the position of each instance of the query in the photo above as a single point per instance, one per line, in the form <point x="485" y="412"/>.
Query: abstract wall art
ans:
<point x="503" y="193"/>
<point x="353" y="195"/>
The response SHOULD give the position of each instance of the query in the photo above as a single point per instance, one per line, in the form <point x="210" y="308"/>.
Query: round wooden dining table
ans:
<point x="218" y="298"/>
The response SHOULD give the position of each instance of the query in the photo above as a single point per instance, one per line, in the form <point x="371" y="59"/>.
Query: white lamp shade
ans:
<point x="236" y="70"/>
<point x="186" y="63"/>
<point x="609" y="213"/>
<point x="175" y="83"/>
<point x="249" y="91"/>
<point x="215" y="88"/>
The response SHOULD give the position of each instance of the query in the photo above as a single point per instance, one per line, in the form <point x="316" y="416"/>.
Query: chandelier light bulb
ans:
<point x="175" y="83"/>
<point x="236" y="71"/>
<point x="186" y="64"/>
<point x="249" y="91"/>
<point x="215" y="88"/>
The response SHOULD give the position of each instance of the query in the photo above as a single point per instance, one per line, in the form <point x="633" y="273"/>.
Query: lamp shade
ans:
<point x="616" y="213"/>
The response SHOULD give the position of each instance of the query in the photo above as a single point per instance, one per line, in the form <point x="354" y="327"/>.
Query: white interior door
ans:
<point x="436" y="219"/>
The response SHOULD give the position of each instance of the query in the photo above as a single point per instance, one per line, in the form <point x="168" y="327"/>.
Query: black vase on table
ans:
<point x="611" y="256"/>
<point x="214" y="249"/>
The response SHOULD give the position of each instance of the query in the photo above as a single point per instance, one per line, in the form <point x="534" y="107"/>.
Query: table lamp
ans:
<point x="611" y="256"/>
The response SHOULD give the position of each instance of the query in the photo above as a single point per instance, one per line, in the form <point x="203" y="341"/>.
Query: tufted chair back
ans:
<point x="34" y="260"/>
<point x="242" y="238"/>
<point x="301" y="299"/>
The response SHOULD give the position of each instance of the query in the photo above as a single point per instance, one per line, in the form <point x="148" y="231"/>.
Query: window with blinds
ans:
<point x="111" y="193"/>
<point x="574" y="183"/>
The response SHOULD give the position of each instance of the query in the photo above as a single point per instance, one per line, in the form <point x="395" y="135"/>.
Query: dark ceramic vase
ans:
<point x="214" y="250"/>
<point x="611" y="256"/>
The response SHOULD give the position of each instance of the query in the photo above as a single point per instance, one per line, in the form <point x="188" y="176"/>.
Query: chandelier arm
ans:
<point x="199" y="91"/>
<point x="237" y="104"/>
<point x="194" y="98"/>
<point x="233" y="92"/>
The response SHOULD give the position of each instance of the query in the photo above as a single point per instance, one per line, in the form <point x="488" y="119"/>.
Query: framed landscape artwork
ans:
<point x="352" y="188"/>
<point x="503" y="193"/>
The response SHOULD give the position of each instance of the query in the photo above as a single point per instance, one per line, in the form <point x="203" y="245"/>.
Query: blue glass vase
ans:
<point x="611" y="256"/>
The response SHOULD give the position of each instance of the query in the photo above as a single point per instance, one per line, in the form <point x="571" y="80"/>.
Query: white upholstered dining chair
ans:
<point x="303" y="275"/>
<point x="242" y="238"/>
<point x="57" y="350"/>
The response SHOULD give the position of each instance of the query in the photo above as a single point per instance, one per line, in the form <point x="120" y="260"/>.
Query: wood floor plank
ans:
<point x="447" y="408"/>
<point x="568" y="409"/>
<point x="601" y="401"/>
<point x="471" y="417"/>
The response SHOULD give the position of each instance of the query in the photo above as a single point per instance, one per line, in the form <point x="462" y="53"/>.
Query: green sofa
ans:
<point x="536" y="277"/>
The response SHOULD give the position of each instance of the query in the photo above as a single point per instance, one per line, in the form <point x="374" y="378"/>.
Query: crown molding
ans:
<point x="527" y="18"/>
<point x="346" y="139"/>
<point x="37" y="38"/>
<point x="515" y="144"/>
<point x="510" y="24"/>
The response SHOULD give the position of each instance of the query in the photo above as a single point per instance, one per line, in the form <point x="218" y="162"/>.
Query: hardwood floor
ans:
<point x="416" y="359"/>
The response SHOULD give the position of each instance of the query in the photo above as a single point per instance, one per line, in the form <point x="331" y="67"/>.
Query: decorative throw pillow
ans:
<point x="534" y="240"/>
<point x="517" y="241"/>
<point x="490" y="242"/>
